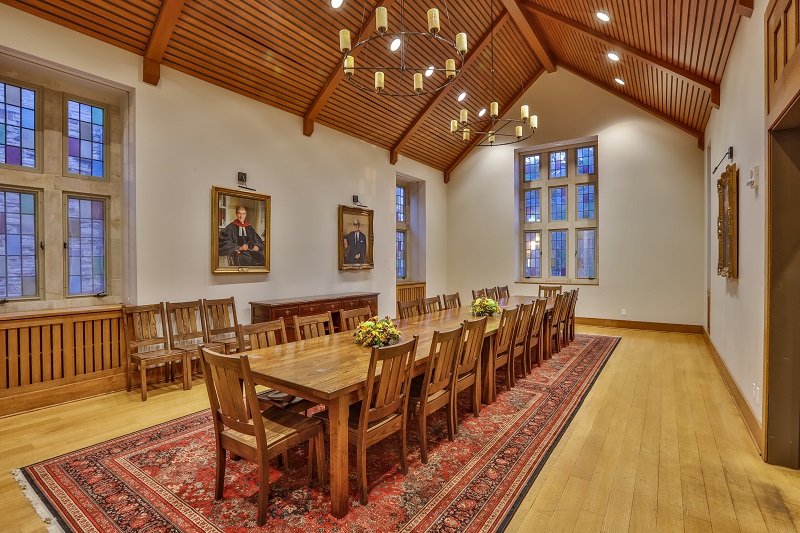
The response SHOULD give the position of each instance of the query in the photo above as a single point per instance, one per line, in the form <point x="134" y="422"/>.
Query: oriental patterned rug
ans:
<point x="161" y="479"/>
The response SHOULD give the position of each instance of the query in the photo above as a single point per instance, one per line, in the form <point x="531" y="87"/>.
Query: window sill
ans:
<point x="542" y="281"/>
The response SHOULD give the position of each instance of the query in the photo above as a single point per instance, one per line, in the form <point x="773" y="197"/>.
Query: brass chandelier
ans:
<point x="385" y="64"/>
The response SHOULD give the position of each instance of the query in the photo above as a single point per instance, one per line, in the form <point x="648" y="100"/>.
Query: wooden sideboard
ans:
<point x="311" y="305"/>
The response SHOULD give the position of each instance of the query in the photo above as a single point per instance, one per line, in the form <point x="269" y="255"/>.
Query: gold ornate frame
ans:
<point x="223" y="207"/>
<point x="346" y="216"/>
<point x="728" y="223"/>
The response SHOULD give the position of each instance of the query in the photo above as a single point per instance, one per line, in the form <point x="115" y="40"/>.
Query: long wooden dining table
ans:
<point x="331" y="370"/>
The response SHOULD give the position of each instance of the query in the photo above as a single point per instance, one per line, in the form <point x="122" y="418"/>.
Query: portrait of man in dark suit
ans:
<point x="355" y="245"/>
<point x="355" y="238"/>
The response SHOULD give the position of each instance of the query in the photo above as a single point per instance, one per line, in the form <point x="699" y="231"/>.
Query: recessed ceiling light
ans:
<point x="395" y="45"/>
<point x="336" y="4"/>
<point x="619" y="80"/>
<point x="429" y="71"/>
<point x="613" y="57"/>
<point x="462" y="96"/>
<point x="482" y="112"/>
<point x="603" y="16"/>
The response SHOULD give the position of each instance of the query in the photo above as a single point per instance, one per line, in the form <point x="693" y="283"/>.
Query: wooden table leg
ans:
<point x="487" y="369"/>
<point x="339" y="410"/>
<point x="547" y="338"/>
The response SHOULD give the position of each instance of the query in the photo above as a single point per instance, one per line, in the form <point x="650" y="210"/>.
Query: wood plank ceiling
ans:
<point x="285" y="53"/>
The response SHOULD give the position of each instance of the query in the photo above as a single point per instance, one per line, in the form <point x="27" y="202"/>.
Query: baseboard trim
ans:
<point x="750" y="421"/>
<point x="633" y="324"/>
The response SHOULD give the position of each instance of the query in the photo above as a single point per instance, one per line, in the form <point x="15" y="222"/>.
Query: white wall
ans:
<point x="737" y="306"/>
<point x="648" y="171"/>
<point x="190" y="136"/>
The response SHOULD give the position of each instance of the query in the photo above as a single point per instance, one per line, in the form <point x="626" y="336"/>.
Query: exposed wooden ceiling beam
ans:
<point x="159" y="39"/>
<point x="473" y="55"/>
<point x="504" y="111"/>
<point x="336" y="76"/>
<point x="638" y="103"/>
<point x="625" y="47"/>
<point x="532" y="33"/>
<point x="744" y="8"/>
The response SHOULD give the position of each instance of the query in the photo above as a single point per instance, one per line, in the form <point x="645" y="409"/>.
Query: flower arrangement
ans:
<point x="375" y="332"/>
<point x="484" y="307"/>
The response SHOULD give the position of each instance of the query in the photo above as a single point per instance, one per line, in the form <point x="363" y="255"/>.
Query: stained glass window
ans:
<point x="586" y="160"/>
<point x="558" y="164"/>
<point x="86" y="219"/>
<point x="532" y="167"/>
<point x="533" y="254"/>
<point x="85" y="139"/>
<point x="586" y="253"/>
<point x="586" y="201"/>
<point x="17" y="125"/>
<point x="401" y="254"/>
<point x="558" y="203"/>
<point x="400" y="204"/>
<point x="533" y="205"/>
<point x="18" y="258"/>
<point x="558" y="253"/>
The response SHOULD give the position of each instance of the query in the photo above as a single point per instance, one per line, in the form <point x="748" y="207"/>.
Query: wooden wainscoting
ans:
<point x="412" y="290"/>
<point x="54" y="356"/>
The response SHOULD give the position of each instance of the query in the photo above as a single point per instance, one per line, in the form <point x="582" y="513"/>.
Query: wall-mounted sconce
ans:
<point x="728" y="154"/>
<point x="241" y="177"/>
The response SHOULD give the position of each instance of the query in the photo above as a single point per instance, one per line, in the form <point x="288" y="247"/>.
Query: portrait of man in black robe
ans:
<point x="240" y="241"/>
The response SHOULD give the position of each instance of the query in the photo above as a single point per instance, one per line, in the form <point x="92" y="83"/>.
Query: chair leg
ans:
<point x="220" y="484"/>
<point x="128" y="375"/>
<point x="404" y="446"/>
<point x="311" y="453"/>
<point x="322" y="467"/>
<point x="187" y="372"/>
<point x="511" y="378"/>
<point x="143" y="380"/>
<point x="423" y="435"/>
<point x="361" y="466"/>
<point x="263" y="492"/>
<point x="450" y="426"/>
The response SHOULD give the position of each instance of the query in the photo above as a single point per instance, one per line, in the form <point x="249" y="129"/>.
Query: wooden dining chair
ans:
<point x="309" y="327"/>
<point x="502" y="292"/>
<point x="491" y="292"/>
<point x="468" y="369"/>
<point x="431" y="305"/>
<point x="555" y="324"/>
<point x="243" y="430"/>
<point x="384" y="410"/>
<point x="503" y="343"/>
<point x="264" y="335"/>
<point x="221" y="322"/>
<point x="147" y="345"/>
<point x="480" y="293"/>
<point x="350" y="319"/>
<point x="519" y="346"/>
<point x="451" y="301"/>
<point x="535" y="343"/>
<point x="187" y="327"/>
<point x="434" y="390"/>
<point x="571" y="314"/>
<point x="564" y="323"/>
<point x="548" y="291"/>
<point x="409" y="309"/>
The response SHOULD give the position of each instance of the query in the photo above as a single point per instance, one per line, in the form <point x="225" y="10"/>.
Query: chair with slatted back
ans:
<point x="519" y="346"/>
<point x="549" y="291"/>
<point x="571" y="315"/>
<point x="409" y="309"/>
<point x="502" y="292"/>
<point x="491" y="292"/>
<point x="503" y="342"/>
<point x="431" y="305"/>
<point x="147" y="345"/>
<point x="264" y="335"/>
<point x="480" y="293"/>
<point x="245" y="431"/>
<point x="451" y="301"/>
<point x="221" y="322"/>
<point x="187" y="327"/>
<point x="434" y="389"/>
<point x="563" y="324"/>
<point x="384" y="410"/>
<point x="309" y="327"/>
<point x="555" y="323"/>
<point x="468" y="369"/>
<point x="535" y="340"/>
<point x="350" y="319"/>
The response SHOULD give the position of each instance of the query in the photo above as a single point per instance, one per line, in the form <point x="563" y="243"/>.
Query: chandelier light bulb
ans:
<point x="418" y="82"/>
<point x="465" y="135"/>
<point x="450" y="68"/>
<point x="379" y="81"/>
<point x="620" y="81"/>
<point x="519" y="132"/>
<point x="491" y="137"/>
<point x="534" y="121"/>
<point x="429" y="71"/>
<point x="493" y="109"/>
<point x="524" y="112"/>
<point x="453" y="126"/>
<point x="344" y="40"/>
<point x="613" y="57"/>
<point x="349" y="65"/>
<point x="462" y="96"/>
<point x="461" y="43"/>
<point x="381" y="19"/>
<point x="433" y="21"/>
<point x="395" y="45"/>
<point x="482" y="112"/>
<point x="463" y="116"/>
<point x="336" y="4"/>
<point x="603" y="16"/>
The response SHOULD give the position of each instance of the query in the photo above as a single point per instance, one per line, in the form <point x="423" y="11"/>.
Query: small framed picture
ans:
<point x="240" y="225"/>
<point x="355" y="238"/>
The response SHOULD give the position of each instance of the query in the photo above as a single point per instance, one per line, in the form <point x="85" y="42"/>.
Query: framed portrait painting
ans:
<point x="355" y="238"/>
<point x="240" y="225"/>
<point x="728" y="223"/>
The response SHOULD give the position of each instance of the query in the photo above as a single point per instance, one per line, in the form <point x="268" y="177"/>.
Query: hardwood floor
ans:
<point x="658" y="445"/>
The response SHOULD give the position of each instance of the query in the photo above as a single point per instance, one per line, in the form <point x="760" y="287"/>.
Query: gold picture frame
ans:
<point x="728" y="223"/>
<point x="355" y="241"/>
<point x="240" y="228"/>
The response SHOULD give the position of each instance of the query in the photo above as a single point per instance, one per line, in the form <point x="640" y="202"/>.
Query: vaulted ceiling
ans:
<point x="285" y="53"/>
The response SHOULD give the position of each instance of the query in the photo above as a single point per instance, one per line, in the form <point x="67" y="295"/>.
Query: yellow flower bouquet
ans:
<point x="484" y="307"/>
<point x="375" y="332"/>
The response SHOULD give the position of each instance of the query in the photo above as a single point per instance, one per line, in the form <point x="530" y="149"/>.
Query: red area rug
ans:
<point x="161" y="479"/>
